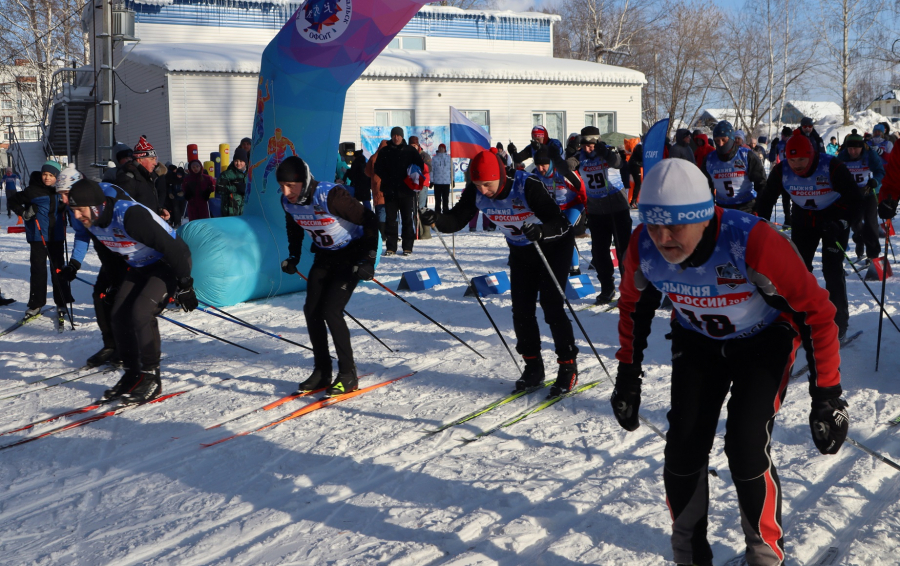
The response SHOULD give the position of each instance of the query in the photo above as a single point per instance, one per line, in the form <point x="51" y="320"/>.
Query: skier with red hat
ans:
<point x="540" y="137"/>
<point x="826" y="201"/>
<point x="526" y="213"/>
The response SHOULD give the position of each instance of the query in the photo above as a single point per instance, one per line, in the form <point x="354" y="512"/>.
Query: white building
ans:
<point x="888" y="104"/>
<point x="192" y="78"/>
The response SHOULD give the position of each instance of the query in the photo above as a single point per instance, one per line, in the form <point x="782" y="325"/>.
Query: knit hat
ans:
<point x="542" y="156"/>
<point x="590" y="134"/>
<point x="740" y="134"/>
<point x="295" y="170"/>
<point x="240" y="154"/>
<point x="51" y="167"/>
<point x="878" y="128"/>
<point x="68" y="177"/>
<point x="143" y="149"/>
<point x="724" y="129"/>
<point x="397" y="131"/>
<point x="86" y="193"/>
<point x="675" y="192"/>
<point x="797" y="147"/>
<point x="854" y="140"/>
<point x="540" y="133"/>
<point x="787" y="131"/>
<point x="486" y="166"/>
<point x="806" y="121"/>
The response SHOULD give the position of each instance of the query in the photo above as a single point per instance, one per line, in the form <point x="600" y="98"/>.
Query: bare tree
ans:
<point x="603" y="31"/>
<point x="845" y="26"/>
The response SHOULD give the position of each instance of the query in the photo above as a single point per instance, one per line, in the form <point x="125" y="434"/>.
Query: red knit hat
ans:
<point x="486" y="167"/>
<point x="144" y="149"/>
<point x="798" y="146"/>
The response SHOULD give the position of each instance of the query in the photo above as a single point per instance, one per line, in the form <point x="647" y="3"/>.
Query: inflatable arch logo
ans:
<point x="304" y="76"/>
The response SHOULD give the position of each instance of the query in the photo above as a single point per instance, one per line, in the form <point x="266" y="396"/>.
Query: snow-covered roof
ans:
<point x="170" y="2"/>
<point x="237" y="58"/>
<point x="815" y="109"/>
<point x="439" y="11"/>
<point x="889" y="95"/>
<point x="720" y="114"/>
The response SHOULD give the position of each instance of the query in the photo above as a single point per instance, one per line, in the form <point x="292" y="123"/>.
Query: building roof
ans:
<point x="719" y="114"/>
<point x="814" y="109"/>
<point x="449" y="11"/>
<point x="236" y="58"/>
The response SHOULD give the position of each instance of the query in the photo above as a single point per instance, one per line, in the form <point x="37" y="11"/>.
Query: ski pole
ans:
<point x="361" y="325"/>
<point x="181" y="324"/>
<point x="480" y="302"/>
<point x="248" y="325"/>
<point x="874" y="454"/>
<point x="438" y="324"/>
<point x="867" y="286"/>
<point x="884" y="275"/>
<point x="571" y="310"/>
<point x="101" y="296"/>
<point x="53" y="270"/>
<point x="886" y="226"/>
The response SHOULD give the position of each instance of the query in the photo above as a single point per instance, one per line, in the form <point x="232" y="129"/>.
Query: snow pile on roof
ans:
<point x="889" y="95"/>
<point x="497" y="67"/>
<point x="237" y="58"/>
<point x="862" y="122"/>
<point x="450" y="11"/>
<point x="815" y="109"/>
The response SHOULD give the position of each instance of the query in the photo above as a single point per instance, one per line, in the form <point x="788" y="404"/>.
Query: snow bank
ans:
<point x="862" y="122"/>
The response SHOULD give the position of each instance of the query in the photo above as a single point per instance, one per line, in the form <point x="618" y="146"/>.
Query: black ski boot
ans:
<point x="533" y="375"/>
<point x="149" y="387"/>
<point x="60" y="319"/>
<point x="124" y="385"/>
<point x="345" y="383"/>
<point x="605" y="297"/>
<point x="319" y="379"/>
<point x="103" y="357"/>
<point x="566" y="378"/>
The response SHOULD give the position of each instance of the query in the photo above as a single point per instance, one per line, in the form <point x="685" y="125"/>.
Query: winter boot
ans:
<point x="103" y="357"/>
<point x="149" y="387"/>
<point x="605" y="297"/>
<point x="60" y="319"/>
<point x="319" y="379"/>
<point x="124" y="385"/>
<point x="566" y="378"/>
<point x="31" y="313"/>
<point x="4" y="302"/>
<point x="345" y="383"/>
<point x="533" y="375"/>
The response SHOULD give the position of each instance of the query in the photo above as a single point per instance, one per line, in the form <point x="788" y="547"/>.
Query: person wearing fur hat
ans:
<point x="45" y="232"/>
<point x="735" y="173"/>
<point x="138" y="177"/>
<point x="158" y="267"/>
<point x="743" y="303"/>
<point x="232" y="184"/>
<point x="608" y="212"/>
<point x="867" y="169"/>
<point x="826" y="201"/>
<point x="345" y="243"/>
<point x="522" y="208"/>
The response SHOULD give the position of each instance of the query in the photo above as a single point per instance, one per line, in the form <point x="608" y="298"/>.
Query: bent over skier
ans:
<point x="159" y="267"/>
<point x="345" y="241"/>
<point x="526" y="213"/>
<point x="743" y="303"/>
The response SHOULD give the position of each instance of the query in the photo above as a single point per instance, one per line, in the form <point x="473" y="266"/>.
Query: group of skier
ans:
<point x="743" y="296"/>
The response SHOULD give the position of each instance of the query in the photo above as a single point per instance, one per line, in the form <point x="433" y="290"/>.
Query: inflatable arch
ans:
<point x="304" y="76"/>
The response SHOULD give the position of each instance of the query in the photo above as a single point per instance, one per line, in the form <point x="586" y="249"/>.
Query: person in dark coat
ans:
<point x="393" y="162"/>
<point x="232" y="184"/>
<point x="681" y="149"/>
<point x="174" y="180"/>
<point x="808" y="130"/>
<point x="45" y="232"/>
<point x="138" y="177"/>
<point x="635" y="166"/>
<point x="197" y="187"/>
<point x="362" y="184"/>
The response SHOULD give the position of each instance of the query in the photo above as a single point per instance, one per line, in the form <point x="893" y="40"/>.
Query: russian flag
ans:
<point x="467" y="139"/>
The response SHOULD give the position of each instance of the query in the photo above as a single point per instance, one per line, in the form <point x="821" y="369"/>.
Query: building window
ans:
<point x="6" y="88"/>
<point x="603" y="121"/>
<point x="391" y="118"/>
<point x="480" y="117"/>
<point x="896" y="109"/>
<point x="7" y="120"/>
<point x="7" y="105"/>
<point x="877" y="110"/>
<point x="412" y="43"/>
<point x="555" y="122"/>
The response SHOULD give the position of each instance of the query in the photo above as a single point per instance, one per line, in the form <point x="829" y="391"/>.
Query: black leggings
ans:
<point x="528" y="276"/>
<point x="61" y="293"/>
<point x="865" y="232"/>
<point x="328" y="291"/>
<point x="756" y="370"/>
<point x="806" y="237"/>
<point x="108" y="282"/>
<point x="606" y="229"/>
<point x="143" y="294"/>
<point x="441" y="198"/>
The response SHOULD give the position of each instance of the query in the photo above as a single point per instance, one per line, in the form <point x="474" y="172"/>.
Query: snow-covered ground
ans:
<point x="358" y="483"/>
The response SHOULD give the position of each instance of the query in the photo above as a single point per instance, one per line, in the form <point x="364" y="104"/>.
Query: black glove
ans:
<point x="533" y="232"/>
<point x="365" y="268"/>
<point x="836" y="229"/>
<point x="68" y="272"/>
<point x="185" y="296"/>
<point x="536" y="145"/>
<point x="626" y="397"/>
<point x="872" y="183"/>
<point x="829" y="423"/>
<point x="289" y="265"/>
<point x="887" y="209"/>
<point x="511" y="148"/>
<point x="427" y="216"/>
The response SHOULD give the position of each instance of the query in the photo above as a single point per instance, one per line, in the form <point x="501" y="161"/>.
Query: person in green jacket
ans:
<point x="232" y="184"/>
